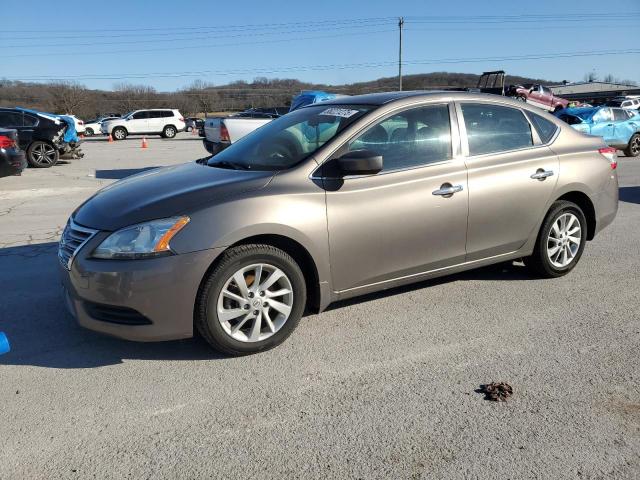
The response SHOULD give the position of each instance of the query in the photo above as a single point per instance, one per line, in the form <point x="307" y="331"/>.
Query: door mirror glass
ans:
<point x="360" y="162"/>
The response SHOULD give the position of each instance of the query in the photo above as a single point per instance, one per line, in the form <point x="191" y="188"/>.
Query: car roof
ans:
<point x="385" y="98"/>
<point x="379" y="98"/>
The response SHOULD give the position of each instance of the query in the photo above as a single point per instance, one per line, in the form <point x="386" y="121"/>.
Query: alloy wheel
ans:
<point x="635" y="146"/>
<point x="43" y="154"/>
<point x="563" y="242"/>
<point x="255" y="302"/>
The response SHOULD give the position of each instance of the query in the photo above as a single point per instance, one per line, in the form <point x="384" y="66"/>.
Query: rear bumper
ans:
<point x="214" y="147"/>
<point x="12" y="162"/>
<point x="140" y="300"/>
<point x="606" y="204"/>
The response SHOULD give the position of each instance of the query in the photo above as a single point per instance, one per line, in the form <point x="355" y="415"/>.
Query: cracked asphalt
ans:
<point x="380" y="387"/>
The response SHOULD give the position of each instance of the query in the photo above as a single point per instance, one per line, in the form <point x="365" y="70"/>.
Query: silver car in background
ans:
<point x="332" y="201"/>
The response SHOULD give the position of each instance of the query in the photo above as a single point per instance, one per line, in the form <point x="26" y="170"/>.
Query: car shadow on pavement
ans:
<point x="506" y="271"/>
<point x="630" y="194"/>
<point x="42" y="333"/>
<point x="120" y="173"/>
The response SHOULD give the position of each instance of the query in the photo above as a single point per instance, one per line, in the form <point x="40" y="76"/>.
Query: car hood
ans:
<point x="165" y="192"/>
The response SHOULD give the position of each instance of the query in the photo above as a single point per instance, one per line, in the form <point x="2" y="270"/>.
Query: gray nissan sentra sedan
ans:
<point x="332" y="201"/>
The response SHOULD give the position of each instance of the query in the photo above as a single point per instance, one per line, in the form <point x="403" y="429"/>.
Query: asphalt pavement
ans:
<point x="377" y="387"/>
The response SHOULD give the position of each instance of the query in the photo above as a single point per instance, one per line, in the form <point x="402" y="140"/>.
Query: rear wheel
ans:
<point x="633" y="149"/>
<point x="42" y="154"/>
<point x="560" y="242"/>
<point x="119" y="133"/>
<point x="88" y="132"/>
<point x="251" y="301"/>
<point x="521" y="98"/>
<point x="169" y="131"/>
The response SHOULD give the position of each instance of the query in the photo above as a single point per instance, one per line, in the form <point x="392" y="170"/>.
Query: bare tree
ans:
<point x="204" y="96"/>
<point x="67" y="97"/>
<point x="132" y="97"/>
<point x="591" y="77"/>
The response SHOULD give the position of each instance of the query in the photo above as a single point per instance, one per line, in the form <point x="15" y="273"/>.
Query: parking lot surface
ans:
<point x="379" y="387"/>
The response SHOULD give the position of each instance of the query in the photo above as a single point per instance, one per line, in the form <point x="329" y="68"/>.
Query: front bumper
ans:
<point x="142" y="300"/>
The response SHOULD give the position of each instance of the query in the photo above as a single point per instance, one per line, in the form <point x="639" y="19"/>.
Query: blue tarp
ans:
<point x="70" y="135"/>
<point x="309" y="97"/>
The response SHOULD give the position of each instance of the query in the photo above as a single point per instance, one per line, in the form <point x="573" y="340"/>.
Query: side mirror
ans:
<point x="360" y="162"/>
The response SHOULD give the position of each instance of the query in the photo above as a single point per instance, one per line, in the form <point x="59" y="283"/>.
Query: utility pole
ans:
<point x="400" y="26"/>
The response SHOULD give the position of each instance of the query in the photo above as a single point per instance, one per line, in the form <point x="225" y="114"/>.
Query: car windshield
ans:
<point x="290" y="139"/>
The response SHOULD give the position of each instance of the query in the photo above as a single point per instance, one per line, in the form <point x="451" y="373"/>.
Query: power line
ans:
<point x="221" y="28"/>
<point x="289" y="69"/>
<point x="164" y="49"/>
<point x="204" y="37"/>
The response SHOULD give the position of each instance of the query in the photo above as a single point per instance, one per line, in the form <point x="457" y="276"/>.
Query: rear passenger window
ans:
<point x="155" y="114"/>
<point x="29" y="120"/>
<point x="546" y="128"/>
<point x="494" y="128"/>
<point x="412" y="138"/>
<point x="10" y="119"/>
<point x="167" y="113"/>
<point x="619" y="115"/>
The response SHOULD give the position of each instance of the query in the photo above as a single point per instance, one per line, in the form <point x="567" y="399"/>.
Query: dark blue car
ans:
<point x="618" y="127"/>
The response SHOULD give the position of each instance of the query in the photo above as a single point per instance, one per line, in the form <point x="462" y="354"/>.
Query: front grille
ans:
<point x="113" y="314"/>
<point x="72" y="239"/>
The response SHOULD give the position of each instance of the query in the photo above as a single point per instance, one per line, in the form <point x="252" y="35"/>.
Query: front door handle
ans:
<point x="541" y="174"/>
<point x="446" y="190"/>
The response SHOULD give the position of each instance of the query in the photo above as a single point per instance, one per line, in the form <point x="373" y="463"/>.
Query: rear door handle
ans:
<point x="446" y="190"/>
<point x="542" y="174"/>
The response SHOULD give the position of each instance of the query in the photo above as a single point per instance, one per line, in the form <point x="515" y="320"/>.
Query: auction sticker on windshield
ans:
<point x="339" y="112"/>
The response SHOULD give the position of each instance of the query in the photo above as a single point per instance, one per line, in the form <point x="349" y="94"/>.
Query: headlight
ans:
<point x="145" y="240"/>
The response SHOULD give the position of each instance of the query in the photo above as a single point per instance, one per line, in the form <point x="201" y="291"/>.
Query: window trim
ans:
<point x="464" y="141"/>
<point x="375" y="119"/>
<point x="553" y="137"/>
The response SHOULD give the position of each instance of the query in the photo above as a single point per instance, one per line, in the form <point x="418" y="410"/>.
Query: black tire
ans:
<point x="119" y="133"/>
<point x="521" y="98"/>
<point x="206" y="319"/>
<point x="42" y="154"/>
<point x="633" y="149"/>
<point x="539" y="262"/>
<point x="169" y="131"/>
<point x="88" y="132"/>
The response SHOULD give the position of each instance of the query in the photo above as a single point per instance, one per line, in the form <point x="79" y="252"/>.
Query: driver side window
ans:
<point x="412" y="138"/>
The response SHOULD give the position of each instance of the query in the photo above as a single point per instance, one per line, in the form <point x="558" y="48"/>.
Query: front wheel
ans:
<point x="251" y="301"/>
<point x="119" y="133"/>
<point x="88" y="132"/>
<point x="560" y="242"/>
<point x="633" y="149"/>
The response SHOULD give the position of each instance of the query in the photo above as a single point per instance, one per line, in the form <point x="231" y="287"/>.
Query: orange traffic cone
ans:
<point x="144" y="142"/>
<point x="110" y="139"/>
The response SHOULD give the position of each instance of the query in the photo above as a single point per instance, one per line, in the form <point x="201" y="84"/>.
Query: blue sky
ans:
<point x="162" y="42"/>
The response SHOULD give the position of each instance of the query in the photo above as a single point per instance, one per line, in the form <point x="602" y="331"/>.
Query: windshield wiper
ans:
<point x="229" y="165"/>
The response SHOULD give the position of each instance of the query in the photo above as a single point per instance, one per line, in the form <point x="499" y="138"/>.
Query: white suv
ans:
<point x="157" y="121"/>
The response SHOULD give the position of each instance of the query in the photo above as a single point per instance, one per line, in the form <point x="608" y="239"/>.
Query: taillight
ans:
<point x="610" y="154"/>
<point x="224" y="133"/>
<point x="181" y="119"/>
<point x="6" y="142"/>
